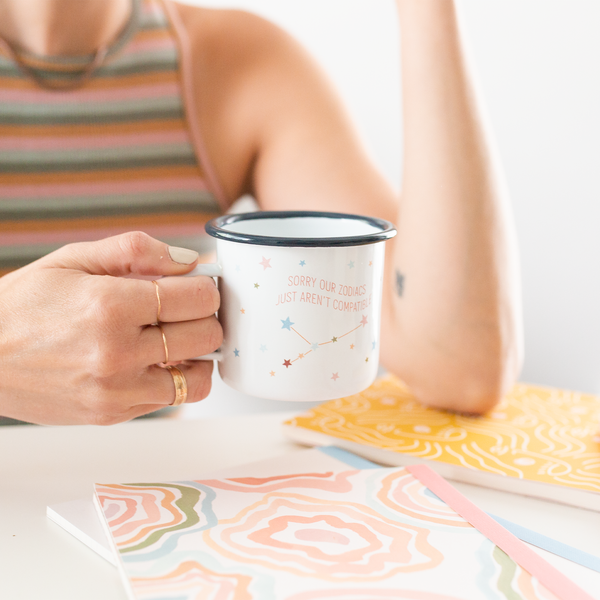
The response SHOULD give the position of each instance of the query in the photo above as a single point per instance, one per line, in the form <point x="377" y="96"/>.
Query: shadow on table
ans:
<point x="163" y="412"/>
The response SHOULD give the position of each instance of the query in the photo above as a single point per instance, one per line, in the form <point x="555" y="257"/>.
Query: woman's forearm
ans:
<point x="455" y="284"/>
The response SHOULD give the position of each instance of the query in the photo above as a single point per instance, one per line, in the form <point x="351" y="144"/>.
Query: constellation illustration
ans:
<point x="257" y="271"/>
<point x="287" y="323"/>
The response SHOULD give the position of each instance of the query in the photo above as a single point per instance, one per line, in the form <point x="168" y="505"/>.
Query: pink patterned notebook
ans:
<point x="340" y="535"/>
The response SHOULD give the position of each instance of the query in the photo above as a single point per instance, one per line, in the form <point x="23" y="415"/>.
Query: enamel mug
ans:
<point x="300" y="302"/>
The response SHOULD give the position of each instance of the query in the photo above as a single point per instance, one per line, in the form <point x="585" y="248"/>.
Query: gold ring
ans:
<point x="164" y="337"/>
<point x="159" y="305"/>
<point x="180" y="386"/>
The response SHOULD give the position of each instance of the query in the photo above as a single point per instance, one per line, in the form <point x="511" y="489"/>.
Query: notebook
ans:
<point x="80" y="518"/>
<point x="537" y="441"/>
<point x="338" y="534"/>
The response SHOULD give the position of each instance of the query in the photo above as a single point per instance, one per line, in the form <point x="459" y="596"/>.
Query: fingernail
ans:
<point x="182" y="256"/>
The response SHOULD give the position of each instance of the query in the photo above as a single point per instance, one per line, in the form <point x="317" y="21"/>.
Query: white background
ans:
<point x="538" y="68"/>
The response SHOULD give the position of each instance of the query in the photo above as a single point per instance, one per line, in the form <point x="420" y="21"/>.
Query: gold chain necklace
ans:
<point x="85" y="73"/>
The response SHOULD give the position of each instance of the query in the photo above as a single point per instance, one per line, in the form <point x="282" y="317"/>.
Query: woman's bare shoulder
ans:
<point x="248" y="74"/>
<point x="226" y="34"/>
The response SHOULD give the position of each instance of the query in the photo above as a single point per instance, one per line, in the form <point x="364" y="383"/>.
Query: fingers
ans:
<point x="133" y="253"/>
<point x="133" y="303"/>
<point x="158" y="386"/>
<point x="183" y="341"/>
<point x="181" y="299"/>
<point x="187" y="298"/>
<point x="109" y="315"/>
<point x="154" y="390"/>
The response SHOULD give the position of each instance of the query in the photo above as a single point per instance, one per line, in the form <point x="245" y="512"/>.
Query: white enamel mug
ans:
<point x="300" y="302"/>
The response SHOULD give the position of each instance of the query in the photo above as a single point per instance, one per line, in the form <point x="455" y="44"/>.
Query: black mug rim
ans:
<point x="216" y="228"/>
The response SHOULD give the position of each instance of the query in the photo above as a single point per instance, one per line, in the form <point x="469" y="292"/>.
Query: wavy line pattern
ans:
<point x="190" y="580"/>
<point x="514" y="583"/>
<point x="375" y="534"/>
<point x="308" y="537"/>
<point x="334" y="482"/>
<point x="371" y="594"/>
<point x="407" y="496"/>
<point x="534" y="433"/>
<point x="140" y="515"/>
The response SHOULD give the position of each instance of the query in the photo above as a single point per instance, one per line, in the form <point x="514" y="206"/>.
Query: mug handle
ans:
<point x="208" y="270"/>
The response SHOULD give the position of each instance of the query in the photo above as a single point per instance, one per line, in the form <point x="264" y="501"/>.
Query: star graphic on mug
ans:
<point x="236" y="352"/>
<point x="302" y="263"/>
<point x="364" y="321"/>
<point x="334" y="339"/>
<point x="300" y="355"/>
<point x="238" y="268"/>
<point x="272" y="373"/>
<point x="287" y="324"/>
<point x="243" y="311"/>
<point x="266" y="263"/>
<point x="351" y="346"/>
<point x="370" y="263"/>
<point x="335" y="376"/>
<point x="367" y="359"/>
<point x="351" y="264"/>
<point x="373" y="346"/>
<point x="256" y="285"/>
<point x="263" y="348"/>
<point x="287" y="363"/>
<point x="314" y="346"/>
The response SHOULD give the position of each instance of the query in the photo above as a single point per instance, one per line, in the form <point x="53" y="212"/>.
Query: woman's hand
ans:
<point x="76" y="341"/>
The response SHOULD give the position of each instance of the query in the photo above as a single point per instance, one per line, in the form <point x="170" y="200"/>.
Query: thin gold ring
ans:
<point x="164" y="337"/>
<point x="159" y="304"/>
<point x="180" y="385"/>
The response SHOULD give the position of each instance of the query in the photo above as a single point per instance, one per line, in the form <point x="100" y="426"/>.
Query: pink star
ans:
<point x="287" y="363"/>
<point x="363" y="321"/>
<point x="266" y="263"/>
<point x="335" y="376"/>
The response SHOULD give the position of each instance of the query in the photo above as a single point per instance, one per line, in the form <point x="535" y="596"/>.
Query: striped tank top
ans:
<point x="119" y="153"/>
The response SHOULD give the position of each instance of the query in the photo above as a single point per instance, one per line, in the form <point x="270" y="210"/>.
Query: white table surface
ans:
<point x="49" y="465"/>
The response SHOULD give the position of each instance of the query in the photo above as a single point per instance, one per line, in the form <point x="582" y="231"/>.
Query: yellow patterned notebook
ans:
<point x="537" y="441"/>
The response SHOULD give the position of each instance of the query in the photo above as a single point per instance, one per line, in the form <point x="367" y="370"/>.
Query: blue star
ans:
<point x="315" y="346"/>
<point x="302" y="263"/>
<point x="373" y="345"/>
<point x="351" y="264"/>
<point x="237" y="268"/>
<point x="236" y="352"/>
<point x="286" y="324"/>
<point x="263" y="348"/>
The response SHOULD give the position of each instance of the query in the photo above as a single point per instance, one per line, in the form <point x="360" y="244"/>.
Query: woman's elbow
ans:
<point x="471" y="384"/>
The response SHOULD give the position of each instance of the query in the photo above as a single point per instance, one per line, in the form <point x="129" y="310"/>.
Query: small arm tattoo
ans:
<point x="399" y="283"/>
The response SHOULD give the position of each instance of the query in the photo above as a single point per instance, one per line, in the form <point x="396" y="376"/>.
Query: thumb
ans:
<point x="133" y="253"/>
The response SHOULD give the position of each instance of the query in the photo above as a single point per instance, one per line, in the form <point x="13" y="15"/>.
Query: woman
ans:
<point x="144" y="115"/>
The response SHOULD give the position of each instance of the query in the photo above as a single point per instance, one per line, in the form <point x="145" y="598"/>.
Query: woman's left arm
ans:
<point x="275" y="128"/>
